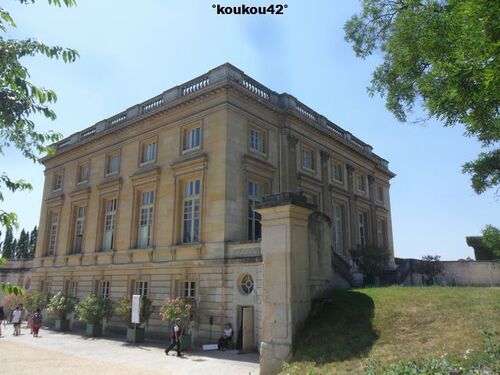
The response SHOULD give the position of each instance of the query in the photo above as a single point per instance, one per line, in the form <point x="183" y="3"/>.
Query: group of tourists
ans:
<point x="16" y="318"/>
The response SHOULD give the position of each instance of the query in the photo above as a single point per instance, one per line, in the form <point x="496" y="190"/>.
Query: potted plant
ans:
<point x="135" y="332"/>
<point x="61" y="305"/>
<point x="92" y="310"/>
<point x="34" y="299"/>
<point x="182" y="309"/>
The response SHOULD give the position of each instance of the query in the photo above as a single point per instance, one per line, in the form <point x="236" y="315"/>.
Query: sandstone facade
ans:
<point x="158" y="199"/>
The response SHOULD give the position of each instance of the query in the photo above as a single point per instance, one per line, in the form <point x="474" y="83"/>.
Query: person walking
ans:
<point x="16" y="320"/>
<point x="36" y="322"/>
<point x="176" y="338"/>
<point x="2" y="317"/>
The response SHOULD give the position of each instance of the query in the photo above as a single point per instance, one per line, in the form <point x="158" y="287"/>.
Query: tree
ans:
<point x="7" y="244"/>
<point x="23" y="245"/>
<point x="430" y="266"/>
<point x="20" y="100"/>
<point x="491" y="238"/>
<point x="442" y="54"/>
<point x="14" y="249"/>
<point x="32" y="243"/>
<point x="370" y="260"/>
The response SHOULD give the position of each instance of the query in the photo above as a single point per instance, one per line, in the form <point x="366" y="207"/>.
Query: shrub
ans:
<point x="177" y="308"/>
<point x="61" y="305"/>
<point x="430" y="266"/>
<point x="93" y="310"/>
<point x="34" y="300"/>
<point x="10" y="301"/>
<point x="371" y="260"/>
<point x="124" y="310"/>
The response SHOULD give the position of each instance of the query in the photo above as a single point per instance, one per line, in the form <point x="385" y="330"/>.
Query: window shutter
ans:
<point x="96" y="287"/>
<point x="132" y="288"/>
<point x="66" y="287"/>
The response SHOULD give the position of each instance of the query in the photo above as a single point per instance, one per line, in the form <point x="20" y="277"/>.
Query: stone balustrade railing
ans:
<point x="221" y="73"/>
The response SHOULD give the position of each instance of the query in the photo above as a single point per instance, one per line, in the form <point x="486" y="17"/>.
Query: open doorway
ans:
<point x="245" y="341"/>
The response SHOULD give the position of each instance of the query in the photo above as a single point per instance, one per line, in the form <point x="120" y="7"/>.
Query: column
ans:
<point x="353" y="212"/>
<point x="285" y="263"/>
<point x="372" y="237"/>
<point x="327" y="201"/>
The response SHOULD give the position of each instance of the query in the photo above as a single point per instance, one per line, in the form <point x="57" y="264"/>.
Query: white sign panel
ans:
<point x="136" y="307"/>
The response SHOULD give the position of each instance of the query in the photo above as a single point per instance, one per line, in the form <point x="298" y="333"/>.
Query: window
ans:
<point x="362" y="225"/>
<point x="382" y="233"/>
<point x="256" y="140"/>
<point x="83" y="173"/>
<point x="79" y="228"/>
<point x="246" y="284"/>
<point x="104" y="289"/>
<point x="380" y="194"/>
<point x="254" y="196"/>
<point x="71" y="288"/>
<point x="307" y="159"/>
<point x="141" y="288"/>
<point x="45" y="286"/>
<point x="339" y="222"/>
<point x="113" y="163"/>
<point x="145" y="237"/>
<point x="53" y="223"/>
<point x="108" y="237"/>
<point x="188" y="289"/>
<point x="191" y="212"/>
<point x="337" y="172"/>
<point x="57" y="182"/>
<point x="192" y="138"/>
<point x="361" y="183"/>
<point x="148" y="152"/>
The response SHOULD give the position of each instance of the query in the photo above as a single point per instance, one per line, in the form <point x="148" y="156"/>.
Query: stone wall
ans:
<point x="460" y="273"/>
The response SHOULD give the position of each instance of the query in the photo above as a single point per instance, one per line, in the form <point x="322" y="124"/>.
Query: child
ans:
<point x="36" y="322"/>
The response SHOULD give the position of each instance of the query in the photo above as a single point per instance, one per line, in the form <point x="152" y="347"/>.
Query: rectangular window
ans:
<point x="307" y="159"/>
<point x="141" y="288"/>
<point x="382" y="233"/>
<point x="256" y="140"/>
<point x="254" y="196"/>
<point x="192" y="138"/>
<point x="57" y="182"/>
<point x="83" y="173"/>
<point x="362" y="225"/>
<point x="146" y="212"/>
<point x="54" y="222"/>
<point x="45" y="286"/>
<point x="337" y="172"/>
<point x="73" y="288"/>
<point x="191" y="212"/>
<point x="108" y="237"/>
<point x="380" y="194"/>
<point x="79" y="229"/>
<point x="148" y="152"/>
<point x="188" y="289"/>
<point x="112" y="163"/>
<point x="104" y="289"/>
<point x="361" y="183"/>
<point x="339" y="222"/>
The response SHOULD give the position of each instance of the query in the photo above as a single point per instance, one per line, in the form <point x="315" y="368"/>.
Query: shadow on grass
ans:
<point x="341" y="331"/>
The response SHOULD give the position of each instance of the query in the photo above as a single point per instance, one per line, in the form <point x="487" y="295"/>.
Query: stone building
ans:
<point x="158" y="199"/>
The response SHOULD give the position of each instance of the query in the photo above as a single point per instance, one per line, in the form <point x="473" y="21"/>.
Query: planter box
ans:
<point x="94" y="330"/>
<point x="186" y="341"/>
<point x="62" y="325"/>
<point x="135" y="335"/>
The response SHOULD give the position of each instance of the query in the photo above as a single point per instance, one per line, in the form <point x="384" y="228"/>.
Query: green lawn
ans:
<point x="388" y="325"/>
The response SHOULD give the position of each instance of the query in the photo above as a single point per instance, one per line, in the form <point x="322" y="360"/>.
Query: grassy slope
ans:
<point x="393" y="324"/>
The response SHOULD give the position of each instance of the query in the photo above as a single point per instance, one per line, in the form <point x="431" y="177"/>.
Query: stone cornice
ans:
<point x="216" y="80"/>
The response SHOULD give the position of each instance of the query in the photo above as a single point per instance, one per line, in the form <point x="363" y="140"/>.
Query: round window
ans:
<point x="246" y="284"/>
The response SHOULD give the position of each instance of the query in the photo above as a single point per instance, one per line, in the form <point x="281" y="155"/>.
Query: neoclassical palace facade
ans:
<point x="158" y="199"/>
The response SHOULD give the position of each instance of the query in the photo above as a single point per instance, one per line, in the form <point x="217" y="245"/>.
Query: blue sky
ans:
<point x="131" y="51"/>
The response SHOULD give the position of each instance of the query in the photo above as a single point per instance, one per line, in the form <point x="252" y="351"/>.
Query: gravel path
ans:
<point x="59" y="353"/>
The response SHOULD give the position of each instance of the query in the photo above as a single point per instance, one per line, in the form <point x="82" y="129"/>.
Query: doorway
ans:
<point x="246" y="339"/>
